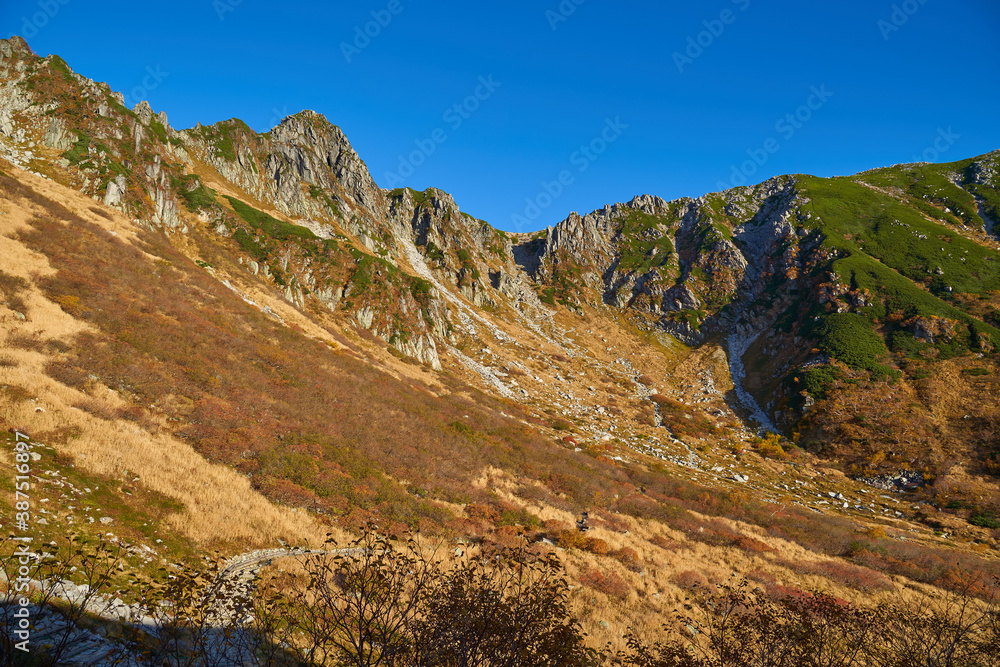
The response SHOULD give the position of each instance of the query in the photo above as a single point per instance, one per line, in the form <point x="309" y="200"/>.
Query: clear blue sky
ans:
<point x="898" y="77"/>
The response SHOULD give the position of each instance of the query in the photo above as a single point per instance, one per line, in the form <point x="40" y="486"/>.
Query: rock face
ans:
<point x="116" y="189"/>
<point x="414" y="270"/>
<point x="303" y="150"/>
<point x="56" y="137"/>
<point x="669" y="264"/>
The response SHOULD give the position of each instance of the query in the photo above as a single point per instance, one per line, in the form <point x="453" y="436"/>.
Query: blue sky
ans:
<point x="562" y="105"/>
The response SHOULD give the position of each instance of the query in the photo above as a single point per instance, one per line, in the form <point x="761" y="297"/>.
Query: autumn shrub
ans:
<point x="10" y="290"/>
<point x="751" y="545"/>
<point x="561" y="425"/>
<point x="609" y="583"/>
<point x="553" y="526"/>
<point x="628" y="557"/>
<point x="690" y="580"/>
<point x="596" y="545"/>
<point x="483" y="513"/>
<point x="664" y="542"/>
<point x="570" y="539"/>
<point x="770" y="446"/>
<point x="846" y="574"/>
<point x="611" y="521"/>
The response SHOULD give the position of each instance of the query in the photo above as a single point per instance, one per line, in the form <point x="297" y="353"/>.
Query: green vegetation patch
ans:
<point x="160" y="132"/>
<point x="59" y="65"/>
<point x="895" y="294"/>
<point x="319" y="194"/>
<point x="848" y="337"/>
<point x="985" y="521"/>
<point x="817" y="380"/>
<point x="931" y="190"/>
<point x="221" y="137"/>
<point x="196" y="195"/>
<point x="643" y="243"/>
<point x="268" y="224"/>
<point x="79" y="151"/>
<point x="250" y="245"/>
<point x="434" y="253"/>
<point x="419" y="198"/>
<point x="859" y="221"/>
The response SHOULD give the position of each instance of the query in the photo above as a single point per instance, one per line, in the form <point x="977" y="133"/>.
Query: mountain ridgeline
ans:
<point x="838" y="300"/>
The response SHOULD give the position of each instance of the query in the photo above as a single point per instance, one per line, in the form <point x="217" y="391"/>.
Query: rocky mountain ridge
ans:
<point x="747" y="267"/>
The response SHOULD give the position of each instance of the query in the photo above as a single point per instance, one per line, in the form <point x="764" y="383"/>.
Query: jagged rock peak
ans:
<point x="144" y="112"/>
<point x="305" y="124"/>
<point x="646" y="203"/>
<point x="16" y="44"/>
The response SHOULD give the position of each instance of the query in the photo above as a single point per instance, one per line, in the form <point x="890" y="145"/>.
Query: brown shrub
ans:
<point x="628" y="557"/>
<point x="556" y="526"/>
<point x="751" y="545"/>
<point x="846" y="574"/>
<point x="483" y="513"/>
<point x="612" y="521"/>
<point x="10" y="289"/>
<point x="596" y="545"/>
<point x="664" y="542"/>
<point x="569" y="539"/>
<point x="609" y="583"/>
<point x="690" y="580"/>
<point x="23" y="341"/>
<point x="98" y="408"/>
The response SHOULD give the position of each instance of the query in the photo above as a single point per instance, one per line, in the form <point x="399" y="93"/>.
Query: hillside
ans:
<point x="226" y="340"/>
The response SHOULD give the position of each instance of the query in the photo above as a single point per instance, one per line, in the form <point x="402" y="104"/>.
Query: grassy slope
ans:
<point x="243" y="390"/>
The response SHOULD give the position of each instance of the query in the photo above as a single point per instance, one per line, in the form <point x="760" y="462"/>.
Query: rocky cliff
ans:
<point x="758" y="268"/>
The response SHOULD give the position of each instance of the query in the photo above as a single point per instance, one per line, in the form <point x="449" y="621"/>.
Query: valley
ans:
<point x="228" y="342"/>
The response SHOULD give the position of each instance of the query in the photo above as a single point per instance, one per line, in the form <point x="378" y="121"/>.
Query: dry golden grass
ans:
<point x="220" y="506"/>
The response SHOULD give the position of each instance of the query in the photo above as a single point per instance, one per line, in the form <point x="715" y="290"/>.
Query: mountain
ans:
<point x="280" y="347"/>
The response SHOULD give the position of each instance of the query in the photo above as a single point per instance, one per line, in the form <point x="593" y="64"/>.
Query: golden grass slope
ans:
<point x="219" y="504"/>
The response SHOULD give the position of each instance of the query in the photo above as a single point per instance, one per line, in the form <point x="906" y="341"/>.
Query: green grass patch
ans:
<point x="79" y="151"/>
<point x="859" y="221"/>
<point x="193" y="192"/>
<point x="984" y="521"/>
<point x="817" y="380"/>
<point x="643" y="242"/>
<point x="160" y="132"/>
<point x="59" y="65"/>
<point x="849" y="338"/>
<point x="250" y="245"/>
<point x="434" y="253"/>
<point x="221" y="137"/>
<point x="268" y="224"/>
